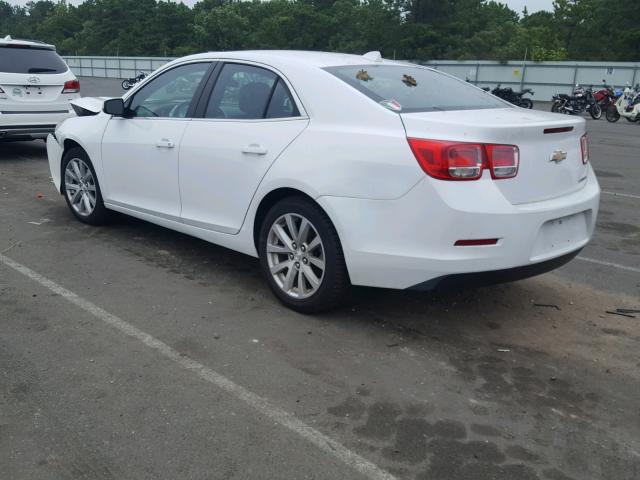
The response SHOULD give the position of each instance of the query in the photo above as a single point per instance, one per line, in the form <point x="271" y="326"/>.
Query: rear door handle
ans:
<point x="255" y="149"/>
<point x="165" y="143"/>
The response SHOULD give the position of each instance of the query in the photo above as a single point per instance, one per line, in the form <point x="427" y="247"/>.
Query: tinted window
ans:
<point x="241" y="92"/>
<point x="30" y="60"/>
<point x="414" y="89"/>
<point x="281" y="104"/>
<point x="169" y="94"/>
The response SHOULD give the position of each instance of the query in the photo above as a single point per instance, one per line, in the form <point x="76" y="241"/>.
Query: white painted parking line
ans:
<point x="609" y="264"/>
<point x="258" y="403"/>
<point x="625" y="195"/>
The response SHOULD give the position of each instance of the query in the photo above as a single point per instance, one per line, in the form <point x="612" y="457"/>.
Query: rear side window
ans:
<point x="406" y="89"/>
<point x="249" y="93"/>
<point x="30" y="60"/>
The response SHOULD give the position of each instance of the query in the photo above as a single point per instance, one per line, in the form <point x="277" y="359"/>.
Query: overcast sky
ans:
<point x="517" y="5"/>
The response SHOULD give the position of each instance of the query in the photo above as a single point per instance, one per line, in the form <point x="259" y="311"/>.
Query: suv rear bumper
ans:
<point x="30" y="125"/>
<point x="19" y="132"/>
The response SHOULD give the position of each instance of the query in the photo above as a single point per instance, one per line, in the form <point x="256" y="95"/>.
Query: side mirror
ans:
<point x="114" y="106"/>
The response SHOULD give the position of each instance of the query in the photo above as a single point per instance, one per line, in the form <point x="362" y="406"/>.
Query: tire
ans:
<point x="555" y="108"/>
<point x="595" y="111"/>
<point x="294" y="263"/>
<point x="126" y="85"/>
<point x="527" y="103"/>
<point x="612" y="114"/>
<point x="88" y="207"/>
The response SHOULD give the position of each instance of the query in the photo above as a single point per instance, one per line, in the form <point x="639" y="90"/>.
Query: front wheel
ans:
<point x="81" y="188"/>
<point x="612" y="114"/>
<point x="527" y="103"/>
<point x="595" y="111"/>
<point x="301" y="256"/>
<point x="555" y="108"/>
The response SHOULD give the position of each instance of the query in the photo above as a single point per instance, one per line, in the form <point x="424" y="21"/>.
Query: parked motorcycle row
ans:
<point x="614" y="103"/>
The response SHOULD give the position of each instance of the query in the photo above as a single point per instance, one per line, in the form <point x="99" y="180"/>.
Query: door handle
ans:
<point x="165" y="143"/>
<point x="255" y="149"/>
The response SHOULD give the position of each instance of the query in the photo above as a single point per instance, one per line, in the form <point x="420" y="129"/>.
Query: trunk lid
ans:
<point x="539" y="178"/>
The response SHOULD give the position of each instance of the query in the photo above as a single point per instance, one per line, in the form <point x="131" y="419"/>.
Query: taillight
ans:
<point x="1" y="90"/>
<point x="72" y="86"/>
<point x="504" y="160"/>
<point x="584" y="146"/>
<point x="465" y="161"/>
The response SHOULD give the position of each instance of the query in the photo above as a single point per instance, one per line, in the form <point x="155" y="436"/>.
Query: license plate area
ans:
<point x="561" y="235"/>
<point x="26" y="92"/>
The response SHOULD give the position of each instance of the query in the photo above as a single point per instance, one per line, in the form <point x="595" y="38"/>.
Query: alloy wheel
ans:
<point x="295" y="256"/>
<point x="80" y="187"/>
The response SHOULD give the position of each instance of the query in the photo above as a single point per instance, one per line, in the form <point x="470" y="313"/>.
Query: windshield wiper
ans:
<point x="41" y="70"/>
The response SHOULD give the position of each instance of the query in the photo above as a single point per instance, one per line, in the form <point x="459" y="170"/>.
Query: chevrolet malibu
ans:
<point x="335" y="170"/>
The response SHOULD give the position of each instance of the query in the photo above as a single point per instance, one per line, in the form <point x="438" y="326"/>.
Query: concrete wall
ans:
<point x="544" y="78"/>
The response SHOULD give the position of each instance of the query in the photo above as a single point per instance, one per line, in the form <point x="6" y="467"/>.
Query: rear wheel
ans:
<point x="301" y="256"/>
<point x="126" y="85"/>
<point x="612" y="114"/>
<point x="595" y="111"/>
<point x="527" y="103"/>
<point x="81" y="188"/>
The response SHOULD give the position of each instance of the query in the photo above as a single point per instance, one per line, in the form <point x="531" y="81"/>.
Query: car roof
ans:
<point x="5" y="41"/>
<point x="283" y="58"/>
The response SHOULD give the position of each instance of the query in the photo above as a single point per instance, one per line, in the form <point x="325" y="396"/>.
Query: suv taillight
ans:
<point x="72" y="86"/>
<point x="465" y="161"/>
<point x="584" y="146"/>
<point x="1" y="91"/>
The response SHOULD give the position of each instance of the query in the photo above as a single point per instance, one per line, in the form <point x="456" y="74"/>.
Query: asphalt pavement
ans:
<point x="133" y="352"/>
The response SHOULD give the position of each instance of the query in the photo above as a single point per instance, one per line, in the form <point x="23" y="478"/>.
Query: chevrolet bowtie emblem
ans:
<point x="558" y="156"/>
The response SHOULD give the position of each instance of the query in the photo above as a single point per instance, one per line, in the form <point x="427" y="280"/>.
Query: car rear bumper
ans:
<point x="30" y="125"/>
<point x="410" y="241"/>
<point x="493" y="277"/>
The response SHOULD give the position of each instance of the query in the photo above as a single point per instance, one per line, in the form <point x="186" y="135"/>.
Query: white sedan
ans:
<point x="335" y="170"/>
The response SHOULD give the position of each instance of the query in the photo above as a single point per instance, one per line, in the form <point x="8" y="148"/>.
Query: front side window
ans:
<point x="248" y="92"/>
<point x="19" y="59"/>
<point x="170" y="94"/>
<point x="406" y="89"/>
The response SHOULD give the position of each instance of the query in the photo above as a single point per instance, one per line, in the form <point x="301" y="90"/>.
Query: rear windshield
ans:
<point x="406" y="89"/>
<point x="30" y="60"/>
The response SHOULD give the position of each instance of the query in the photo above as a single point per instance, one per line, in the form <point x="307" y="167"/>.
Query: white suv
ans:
<point x="36" y="87"/>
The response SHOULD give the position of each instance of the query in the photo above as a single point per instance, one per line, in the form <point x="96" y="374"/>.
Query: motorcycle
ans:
<point x="516" y="98"/>
<point x="606" y="96"/>
<point x="627" y="106"/>
<point x="582" y="100"/>
<point x="130" y="82"/>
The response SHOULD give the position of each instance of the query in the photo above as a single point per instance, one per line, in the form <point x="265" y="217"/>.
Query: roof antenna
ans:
<point x="375" y="55"/>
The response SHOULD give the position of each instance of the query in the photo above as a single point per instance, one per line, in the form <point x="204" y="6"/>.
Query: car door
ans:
<point x="248" y="120"/>
<point x="140" y="150"/>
